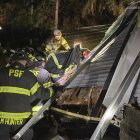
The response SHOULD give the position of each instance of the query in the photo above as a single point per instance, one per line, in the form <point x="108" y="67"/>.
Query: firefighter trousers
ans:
<point x="7" y="131"/>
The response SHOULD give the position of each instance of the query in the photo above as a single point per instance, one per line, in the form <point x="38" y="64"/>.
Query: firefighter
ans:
<point x="59" y="41"/>
<point x="43" y="77"/>
<point x="31" y="53"/>
<point x="56" y="44"/>
<point x="17" y="87"/>
<point x="5" y="55"/>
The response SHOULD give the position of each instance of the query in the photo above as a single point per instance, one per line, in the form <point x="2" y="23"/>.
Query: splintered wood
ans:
<point x="80" y="96"/>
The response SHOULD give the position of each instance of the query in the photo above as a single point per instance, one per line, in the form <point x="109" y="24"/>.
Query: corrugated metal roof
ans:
<point x="97" y="72"/>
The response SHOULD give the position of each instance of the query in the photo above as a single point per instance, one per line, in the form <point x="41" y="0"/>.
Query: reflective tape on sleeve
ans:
<point x="48" y="84"/>
<point x="55" y="75"/>
<point x="51" y="91"/>
<point x="56" y="61"/>
<point x="34" y="89"/>
<point x="36" y="108"/>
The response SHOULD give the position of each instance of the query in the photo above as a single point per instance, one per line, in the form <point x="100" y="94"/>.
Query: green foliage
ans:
<point x="72" y="13"/>
<point x="102" y="7"/>
<point x="17" y="13"/>
<point x="44" y="15"/>
<point x="66" y="11"/>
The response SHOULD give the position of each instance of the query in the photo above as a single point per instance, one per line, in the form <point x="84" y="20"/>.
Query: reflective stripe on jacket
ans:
<point x="15" y="115"/>
<point x="17" y="87"/>
<point x="44" y="78"/>
<point x="61" y="45"/>
<point x="59" y="66"/>
<point x="55" y="45"/>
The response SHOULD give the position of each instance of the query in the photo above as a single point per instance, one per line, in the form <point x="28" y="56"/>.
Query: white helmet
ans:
<point x="57" y="32"/>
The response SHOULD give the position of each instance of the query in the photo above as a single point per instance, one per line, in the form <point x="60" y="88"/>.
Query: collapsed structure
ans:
<point x="106" y="80"/>
<point x="92" y="90"/>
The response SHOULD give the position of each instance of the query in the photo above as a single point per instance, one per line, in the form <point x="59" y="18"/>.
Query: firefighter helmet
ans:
<point x="57" y="32"/>
<point x="22" y="54"/>
<point x="40" y="57"/>
<point x="29" y="50"/>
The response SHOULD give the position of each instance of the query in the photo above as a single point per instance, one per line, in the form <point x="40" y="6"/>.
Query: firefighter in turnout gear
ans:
<point x="17" y="87"/>
<point x="54" y="46"/>
<point x="43" y="77"/>
<point x="58" y="42"/>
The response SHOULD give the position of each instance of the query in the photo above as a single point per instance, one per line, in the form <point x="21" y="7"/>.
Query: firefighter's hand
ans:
<point x="58" y="88"/>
